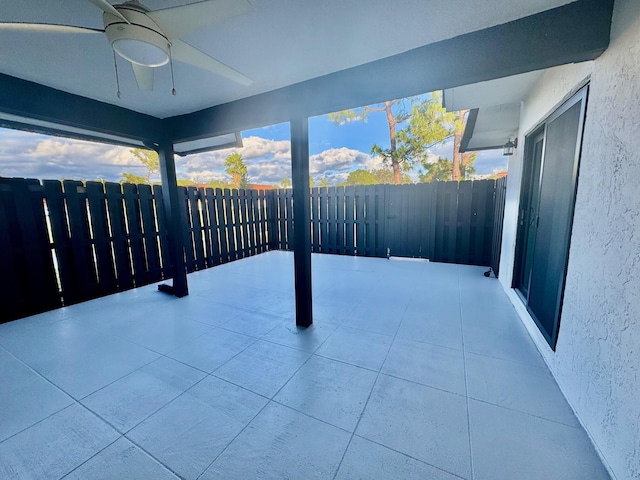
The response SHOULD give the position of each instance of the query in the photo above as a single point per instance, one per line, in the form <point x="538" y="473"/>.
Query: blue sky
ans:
<point x="335" y="150"/>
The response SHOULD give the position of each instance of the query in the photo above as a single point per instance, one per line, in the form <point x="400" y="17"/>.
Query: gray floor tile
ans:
<point x="212" y="349"/>
<point x="306" y="339"/>
<point x="329" y="390"/>
<point x="428" y="328"/>
<point x="263" y="367"/>
<point x="38" y="344"/>
<point x="366" y="460"/>
<point x="517" y="386"/>
<point x="254" y="323"/>
<point x="188" y="433"/>
<point x="418" y="430"/>
<point x="95" y="365"/>
<point x="360" y="348"/>
<point x="328" y="308"/>
<point x="377" y="317"/>
<point x="510" y="343"/>
<point x="130" y="400"/>
<point x="282" y="443"/>
<point x="121" y="460"/>
<point x="160" y="333"/>
<point x="508" y="445"/>
<point x="422" y="422"/>
<point x="55" y="446"/>
<point x="25" y="397"/>
<point x="202" y="310"/>
<point x="432" y="365"/>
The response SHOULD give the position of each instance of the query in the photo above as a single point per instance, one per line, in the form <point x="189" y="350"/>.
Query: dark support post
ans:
<point x="172" y="207"/>
<point x="301" y="220"/>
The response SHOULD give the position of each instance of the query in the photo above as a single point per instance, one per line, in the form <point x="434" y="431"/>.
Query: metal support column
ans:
<point x="301" y="220"/>
<point x="173" y="215"/>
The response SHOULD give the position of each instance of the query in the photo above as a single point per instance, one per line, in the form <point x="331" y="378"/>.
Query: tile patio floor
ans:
<point x="412" y="370"/>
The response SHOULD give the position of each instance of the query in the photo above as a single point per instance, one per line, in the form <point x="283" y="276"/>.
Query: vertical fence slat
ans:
<point x="243" y="221"/>
<point x="61" y="240"/>
<point x="213" y="246"/>
<point x="221" y="207"/>
<point x="119" y="236"/>
<point x="136" y="208"/>
<point x="359" y="242"/>
<point x="27" y="283"/>
<point x="498" y="218"/>
<point x="96" y="200"/>
<point x="87" y="285"/>
<point x="288" y="195"/>
<point x="349" y="220"/>
<point x="193" y="201"/>
<point x="463" y="222"/>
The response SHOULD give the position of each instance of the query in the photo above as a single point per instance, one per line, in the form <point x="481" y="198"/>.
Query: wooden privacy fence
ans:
<point x="67" y="242"/>
<point x="442" y="221"/>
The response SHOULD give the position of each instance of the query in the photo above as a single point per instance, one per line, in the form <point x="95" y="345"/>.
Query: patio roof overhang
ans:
<point x="574" y="32"/>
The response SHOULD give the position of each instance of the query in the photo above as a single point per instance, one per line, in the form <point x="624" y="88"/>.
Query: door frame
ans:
<point x="580" y="95"/>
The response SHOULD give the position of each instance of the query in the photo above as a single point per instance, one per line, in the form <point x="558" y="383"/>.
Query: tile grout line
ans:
<point x="410" y="456"/>
<point x="366" y="403"/>
<point x="466" y="383"/>
<point x="269" y="400"/>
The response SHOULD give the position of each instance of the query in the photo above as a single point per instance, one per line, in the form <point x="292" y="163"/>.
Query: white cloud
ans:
<point x="268" y="161"/>
<point x="342" y="160"/>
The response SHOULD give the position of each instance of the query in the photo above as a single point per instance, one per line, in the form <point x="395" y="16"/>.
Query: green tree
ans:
<point x="386" y="176"/>
<point x="324" y="183"/>
<point x="132" y="178"/>
<point x="183" y="182"/>
<point x="217" y="184"/>
<point x="360" y="177"/>
<point x="149" y="159"/>
<point x="237" y="170"/>
<point x="467" y="167"/>
<point x="396" y="114"/>
<point x="312" y="182"/>
<point x="440" y="171"/>
<point x="285" y="183"/>
<point x="429" y="124"/>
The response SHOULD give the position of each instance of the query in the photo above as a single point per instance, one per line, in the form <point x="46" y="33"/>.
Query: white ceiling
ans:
<point x="498" y="102"/>
<point x="504" y="90"/>
<point x="278" y="43"/>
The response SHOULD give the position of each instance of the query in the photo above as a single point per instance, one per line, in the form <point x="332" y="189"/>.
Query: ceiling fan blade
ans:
<point x="184" y="52"/>
<point x="46" y="28"/>
<point x="108" y="8"/>
<point x="178" y="21"/>
<point x="144" y="76"/>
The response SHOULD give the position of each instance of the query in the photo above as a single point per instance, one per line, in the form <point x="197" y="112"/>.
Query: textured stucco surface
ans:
<point x="597" y="360"/>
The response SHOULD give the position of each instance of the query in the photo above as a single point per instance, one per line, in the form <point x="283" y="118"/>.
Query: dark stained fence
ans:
<point x="498" y="218"/>
<point x="67" y="242"/>
<point x="443" y="221"/>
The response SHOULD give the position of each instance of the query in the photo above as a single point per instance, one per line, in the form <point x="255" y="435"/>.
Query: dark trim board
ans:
<point x="575" y="32"/>
<point x="29" y="100"/>
<point x="469" y="128"/>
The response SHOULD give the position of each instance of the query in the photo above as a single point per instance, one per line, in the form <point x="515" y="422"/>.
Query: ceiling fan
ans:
<point x="151" y="39"/>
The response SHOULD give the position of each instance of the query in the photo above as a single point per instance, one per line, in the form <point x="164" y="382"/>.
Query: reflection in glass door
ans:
<point x="547" y="202"/>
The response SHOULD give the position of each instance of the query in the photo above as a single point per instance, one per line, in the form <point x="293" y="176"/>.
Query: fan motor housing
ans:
<point x="140" y="41"/>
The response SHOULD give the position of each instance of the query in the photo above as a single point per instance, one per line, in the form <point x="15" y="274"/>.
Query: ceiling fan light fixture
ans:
<point x="138" y="44"/>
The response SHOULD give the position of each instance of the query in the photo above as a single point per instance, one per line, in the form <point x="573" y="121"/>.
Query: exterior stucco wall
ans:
<point x="597" y="359"/>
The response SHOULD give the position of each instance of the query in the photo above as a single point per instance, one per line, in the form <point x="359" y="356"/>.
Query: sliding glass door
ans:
<point x="547" y="202"/>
